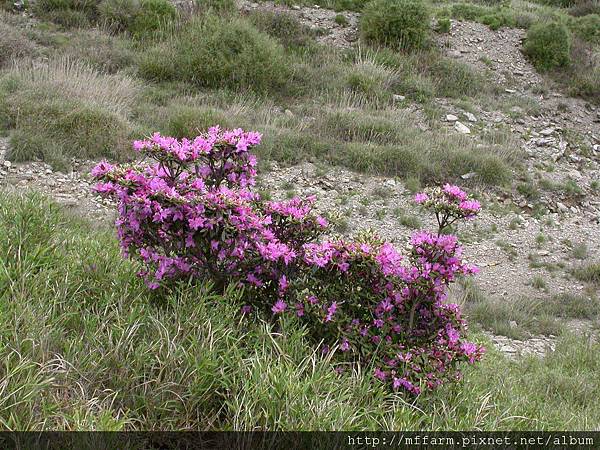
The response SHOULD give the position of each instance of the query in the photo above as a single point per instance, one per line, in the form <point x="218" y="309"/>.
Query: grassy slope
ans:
<point x="84" y="345"/>
<point x="356" y="122"/>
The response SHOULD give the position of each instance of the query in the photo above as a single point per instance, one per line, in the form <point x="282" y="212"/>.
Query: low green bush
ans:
<point x="216" y="5"/>
<point x="68" y="13"/>
<point x="585" y="7"/>
<point x="586" y="28"/>
<point x="187" y="122"/>
<point x="62" y="110"/>
<point x="548" y="45"/>
<point x="443" y="25"/>
<point x="119" y="15"/>
<point x="14" y="44"/>
<point x="153" y="15"/>
<point x="400" y="24"/>
<point x="283" y="27"/>
<point x="468" y="11"/>
<point x="54" y="129"/>
<point x="213" y="51"/>
<point x="494" y="17"/>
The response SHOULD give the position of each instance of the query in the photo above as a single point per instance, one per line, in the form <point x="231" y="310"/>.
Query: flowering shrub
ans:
<point x="191" y="213"/>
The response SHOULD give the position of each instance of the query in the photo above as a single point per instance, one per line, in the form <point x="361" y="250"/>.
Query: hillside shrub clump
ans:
<point x="14" y="43"/>
<point x="65" y="109"/>
<point x="213" y="51"/>
<point x="68" y="13"/>
<point x="548" y="45"/>
<point x="119" y="15"/>
<point x="191" y="213"/>
<point x="399" y="24"/>
<point x="139" y="17"/>
<point x="152" y="16"/>
<point x="284" y="27"/>
<point x="586" y="28"/>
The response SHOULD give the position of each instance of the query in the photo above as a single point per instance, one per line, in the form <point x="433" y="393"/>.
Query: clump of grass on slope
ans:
<point x="589" y="272"/>
<point x="215" y="51"/>
<point x="399" y="24"/>
<point x="87" y="347"/>
<point x="14" y="43"/>
<point x="548" y="45"/>
<point x="66" y="109"/>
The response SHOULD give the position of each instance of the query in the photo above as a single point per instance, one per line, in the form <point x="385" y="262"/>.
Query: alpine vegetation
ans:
<point x="191" y="213"/>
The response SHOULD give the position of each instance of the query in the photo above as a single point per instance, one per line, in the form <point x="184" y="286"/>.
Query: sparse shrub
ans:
<point x="341" y="20"/>
<point x="65" y="109"/>
<point x="104" y="52"/>
<point x="399" y="24"/>
<point x="580" y="251"/>
<point x="152" y="16"/>
<point x="190" y="214"/>
<point x="589" y="272"/>
<point x="14" y="43"/>
<point x="213" y="51"/>
<point x="538" y="282"/>
<point x="548" y="45"/>
<point x="187" y="122"/>
<point x="444" y="25"/>
<point x="455" y="79"/>
<point x="220" y="6"/>
<point x="119" y="15"/>
<point x="68" y="13"/>
<point x="468" y="11"/>
<point x="54" y="130"/>
<point x="585" y="7"/>
<point x="586" y="28"/>
<point x="283" y="27"/>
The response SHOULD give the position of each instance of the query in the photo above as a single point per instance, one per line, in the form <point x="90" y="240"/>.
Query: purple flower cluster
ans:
<point x="190" y="213"/>
<point x="449" y="203"/>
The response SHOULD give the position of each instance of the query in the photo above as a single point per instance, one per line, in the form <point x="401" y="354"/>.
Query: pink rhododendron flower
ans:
<point x="191" y="214"/>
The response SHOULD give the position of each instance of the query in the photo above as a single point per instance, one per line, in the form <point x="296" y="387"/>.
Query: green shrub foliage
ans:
<point x="400" y="24"/>
<point x="548" y="45"/>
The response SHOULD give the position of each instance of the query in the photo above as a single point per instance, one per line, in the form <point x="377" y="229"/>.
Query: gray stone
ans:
<point x="461" y="128"/>
<point x="470" y="117"/>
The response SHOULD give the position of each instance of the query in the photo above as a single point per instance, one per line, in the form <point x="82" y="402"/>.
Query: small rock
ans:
<point x="398" y="98"/>
<point x="7" y="164"/>
<point x="451" y="118"/>
<point x="470" y="117"/>
<point x="512" y="324"/>
<point x="461" y="128"/>
<point x="509" y="91"/>
<point x="469" y="175"/>
<point x="547" y="131"/>
<point x="390" y="183"/>
<point x="562" y="207"/>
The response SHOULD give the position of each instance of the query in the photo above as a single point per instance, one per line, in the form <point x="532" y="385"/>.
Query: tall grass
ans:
<point x="64" y="109"/>
<point x="80" y="81"/>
